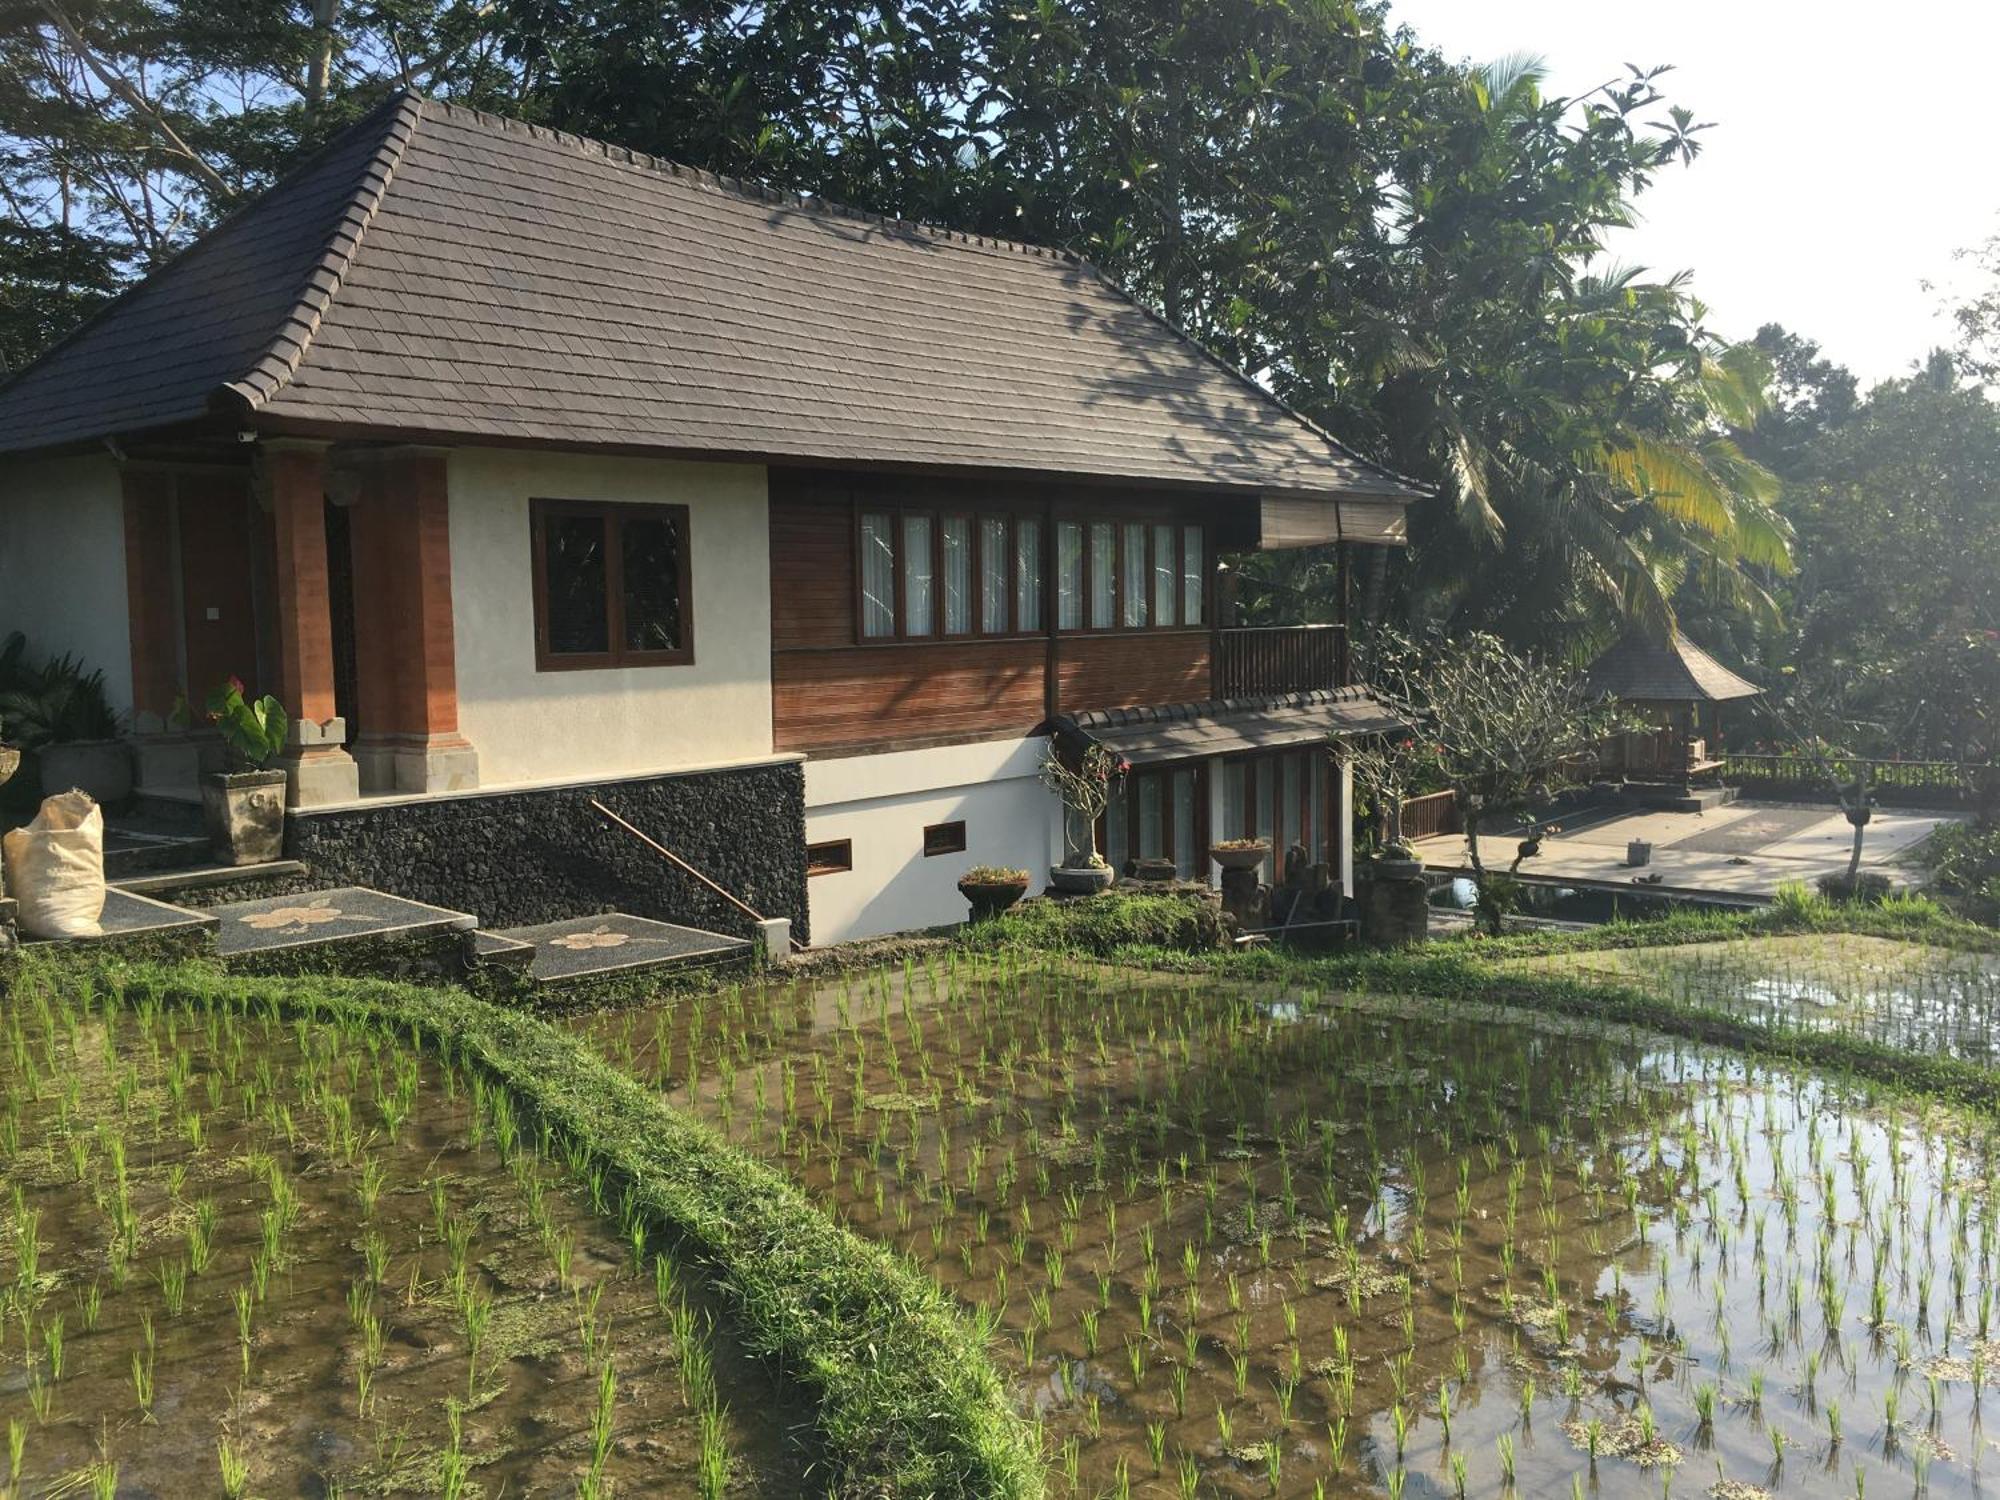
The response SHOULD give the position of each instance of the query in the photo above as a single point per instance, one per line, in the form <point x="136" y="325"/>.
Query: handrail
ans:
<point x="666" y="853"/>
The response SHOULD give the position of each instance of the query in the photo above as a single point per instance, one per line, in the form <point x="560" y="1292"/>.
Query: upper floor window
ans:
<point x="927" y="574"/>
<point x="930" y="574"/>
<point x="611" y="585"/>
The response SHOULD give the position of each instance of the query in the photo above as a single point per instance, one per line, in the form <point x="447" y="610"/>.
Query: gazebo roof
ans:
<point x="1647" y="668"/>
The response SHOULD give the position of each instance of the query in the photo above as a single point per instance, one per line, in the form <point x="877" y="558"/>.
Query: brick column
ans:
<point x="321" y="769"/>
<point x="406" y="650"/>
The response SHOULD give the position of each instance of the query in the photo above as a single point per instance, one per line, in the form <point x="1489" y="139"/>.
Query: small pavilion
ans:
<point x="1678" y="690"/>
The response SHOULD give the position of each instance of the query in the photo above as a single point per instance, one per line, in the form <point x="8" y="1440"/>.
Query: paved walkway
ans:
<point x="1746" y="848"/>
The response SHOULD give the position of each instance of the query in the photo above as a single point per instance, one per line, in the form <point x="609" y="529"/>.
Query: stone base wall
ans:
<point x="516" y="858"/>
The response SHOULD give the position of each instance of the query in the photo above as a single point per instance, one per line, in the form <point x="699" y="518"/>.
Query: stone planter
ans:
<point x="988" y="898"/>
<point x="1246" y="857"/>
<point x="1638" y="852"/>
<point x="1081" y="880"/>
<point x="245" y="813"/>
<point x="102" y="768"/>
<point x="1155" y="871"/>
<point x="1397" y="867"/>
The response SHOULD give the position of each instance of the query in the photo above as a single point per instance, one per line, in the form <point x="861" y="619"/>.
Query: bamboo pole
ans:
<point x="665" y="853"/>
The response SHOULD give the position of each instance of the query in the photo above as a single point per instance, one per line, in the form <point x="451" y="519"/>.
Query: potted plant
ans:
<point x="1085" y="782"/>
<point x="991" y="889"/>
<point x="1240" y="854"/>
<point x="245" y="803"/>
<point x="61" y="715"/>
<point x="1398" y="860"/>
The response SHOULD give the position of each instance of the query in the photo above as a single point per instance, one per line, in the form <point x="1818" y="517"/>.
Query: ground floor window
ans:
<point x="1285" y="798"/>
<point x="1159" y="813"/>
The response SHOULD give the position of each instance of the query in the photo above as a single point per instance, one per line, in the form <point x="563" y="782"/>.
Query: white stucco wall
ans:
<point x="883" y="804"/>
<point x="531" y="726"/>
<point x="62" y="564"/>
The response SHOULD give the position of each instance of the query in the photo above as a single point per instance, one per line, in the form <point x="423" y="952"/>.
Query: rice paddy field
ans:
<point x="1906" y="995"/>
<point x="246" y="1257"/>
<point x="1243" y="1240"/>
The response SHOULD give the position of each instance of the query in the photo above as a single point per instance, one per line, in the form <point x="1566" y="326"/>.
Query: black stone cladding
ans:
<point x="539" y="855"/>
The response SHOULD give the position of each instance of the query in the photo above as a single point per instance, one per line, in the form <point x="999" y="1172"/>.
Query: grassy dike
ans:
<point x="909" y="1403"/>
<point x="1147" y="931"/>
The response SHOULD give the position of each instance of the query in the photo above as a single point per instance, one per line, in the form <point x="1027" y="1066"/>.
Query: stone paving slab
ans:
<point x="588" y="947"/>
<point x="348" y="913"/>
<point x="127" y="915"/>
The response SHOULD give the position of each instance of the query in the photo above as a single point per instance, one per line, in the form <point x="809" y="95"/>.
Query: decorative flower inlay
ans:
<point x="293" y="916"/>
<point x="597" y="937"/>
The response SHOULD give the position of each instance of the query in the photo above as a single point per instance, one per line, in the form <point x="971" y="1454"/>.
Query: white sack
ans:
<point x="55" y="868"/>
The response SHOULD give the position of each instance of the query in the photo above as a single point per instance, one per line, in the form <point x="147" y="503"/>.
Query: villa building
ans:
<point x="529" y="472"/>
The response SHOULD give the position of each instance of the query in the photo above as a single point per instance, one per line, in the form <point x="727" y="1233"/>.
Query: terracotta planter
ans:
<point x="102" y="768"/>
<point x="246" y="816"/>
<point x="1081" y="880"/>
<point x="1249" y="857"/>
<point x="988" y="898"/>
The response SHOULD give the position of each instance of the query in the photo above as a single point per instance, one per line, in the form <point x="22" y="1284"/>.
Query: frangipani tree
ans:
<point x="1510" y="731"/>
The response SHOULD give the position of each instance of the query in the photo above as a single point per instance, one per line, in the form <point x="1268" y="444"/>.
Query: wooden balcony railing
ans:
<point x="1256" y="661"/>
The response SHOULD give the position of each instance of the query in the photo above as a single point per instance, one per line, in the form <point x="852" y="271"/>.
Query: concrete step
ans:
<point x="583" y="950"/>
<point x="142" y="927"/>
<point x="130" y="851"/>
<point x="347" y="930"/>
<point x="207" y="884"/>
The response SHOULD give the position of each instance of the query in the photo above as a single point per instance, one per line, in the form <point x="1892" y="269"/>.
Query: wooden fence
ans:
<point x="1428" y="816"/>
<point x="1910" y="782"/>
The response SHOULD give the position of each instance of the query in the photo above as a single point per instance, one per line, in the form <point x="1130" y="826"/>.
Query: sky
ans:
<point x="1851" y="154"/>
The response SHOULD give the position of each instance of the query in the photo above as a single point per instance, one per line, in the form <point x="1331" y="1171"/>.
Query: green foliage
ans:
<point x="909" y="1404"/>
<point x="1107" y="924"/>
<point x="56" y="701"/>
<point x="1964" y="862"/>
<point x="252" y="732"/>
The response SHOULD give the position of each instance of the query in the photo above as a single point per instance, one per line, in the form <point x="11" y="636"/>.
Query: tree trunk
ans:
<point x="320" y="69"/>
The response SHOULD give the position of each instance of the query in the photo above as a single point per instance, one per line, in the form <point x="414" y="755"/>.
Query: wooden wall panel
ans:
<point x="886" y="695"/>
<point x="1124" y="671"/>
<point x="812" y="568"/>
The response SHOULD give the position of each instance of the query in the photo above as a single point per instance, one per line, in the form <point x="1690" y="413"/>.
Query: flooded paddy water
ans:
<point x="1904" y="995"/>
<point x="246" y="1257"/>
<point x="1241" y="1240"/>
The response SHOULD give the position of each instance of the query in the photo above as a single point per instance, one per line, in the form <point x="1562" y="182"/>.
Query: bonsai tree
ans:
<point x="252" y="732"/>
<point x="1387" y="767"/>
<point x="1508" y="730"/>
<point x="1822" y="731"/>
<point x="1084" y="781"/>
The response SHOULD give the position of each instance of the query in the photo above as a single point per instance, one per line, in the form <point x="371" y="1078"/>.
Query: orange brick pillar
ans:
<point x="405" y="646"/>
<point x="322" y="771"/>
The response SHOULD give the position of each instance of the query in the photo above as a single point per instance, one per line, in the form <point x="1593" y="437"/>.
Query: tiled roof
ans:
<point x="1228" y="726"/>
<point x="1644" y="668"/>
<point x="446" y="274"/>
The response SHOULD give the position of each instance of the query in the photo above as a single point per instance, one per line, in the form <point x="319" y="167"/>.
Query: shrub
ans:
<point x="1184" y="921"/>
<point x="1964" y="861"/>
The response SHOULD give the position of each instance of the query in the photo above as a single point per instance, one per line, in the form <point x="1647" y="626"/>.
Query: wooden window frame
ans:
<point x="1087" y="521"/>
<point x="612" y="513"/>
<point x="1128" y="793"/>
<point x="826" y="865"/>
<point x="939" y="838"/>
<point x="974" y="516"/>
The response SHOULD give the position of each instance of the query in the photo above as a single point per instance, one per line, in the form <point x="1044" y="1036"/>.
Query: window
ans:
<point x="1160" y="814"/>
<point x="611" y="585"/>
<point x="1166" y="573"/>
<point x="1192" y="579"/>
<point x="993" y="575"/>
<point x="1103" y="574"/>
<point x="1285" y="798"/>
<point x="944" y="838"/>
<point x="1132" y="577"/>
<point x="918" y="566"/>
<point x="1069" y="575"/>
<point x="927" y="573"/>
<point x="830" y="858"/>
<point x="878" y="574"/>
<point x="956" y="532"/>
<point x="1027" y="574"/>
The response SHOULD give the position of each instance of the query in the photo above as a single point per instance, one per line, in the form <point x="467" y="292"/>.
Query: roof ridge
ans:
<point x="269" y="372"/>
<point x="747" y="187"/>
